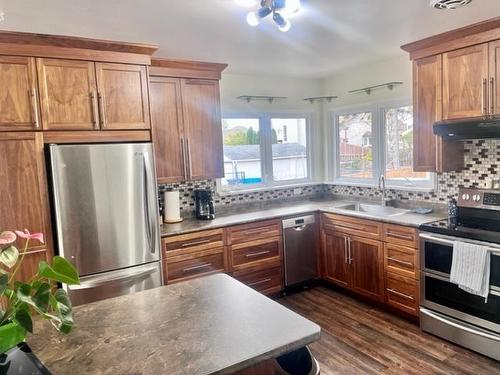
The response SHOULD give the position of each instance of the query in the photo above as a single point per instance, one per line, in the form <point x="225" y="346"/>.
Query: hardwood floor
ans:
<point x="357" y="338"/>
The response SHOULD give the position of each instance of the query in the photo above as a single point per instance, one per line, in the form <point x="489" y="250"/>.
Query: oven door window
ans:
<point x="438" y="257"/>
<point x="450" y="295"/>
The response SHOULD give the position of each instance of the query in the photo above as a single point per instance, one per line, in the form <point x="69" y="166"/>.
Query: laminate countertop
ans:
<point x="245" y="215"/>
<point x="210" y="325"/>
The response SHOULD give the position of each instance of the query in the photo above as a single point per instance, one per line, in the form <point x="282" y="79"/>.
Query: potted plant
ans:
<point x="20" y="300"/>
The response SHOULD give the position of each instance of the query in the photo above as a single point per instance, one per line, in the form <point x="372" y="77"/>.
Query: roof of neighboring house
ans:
<point x="246" y="152"/>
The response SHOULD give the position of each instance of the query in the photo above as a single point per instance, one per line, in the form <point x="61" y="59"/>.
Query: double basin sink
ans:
<point x="373" y="209"/>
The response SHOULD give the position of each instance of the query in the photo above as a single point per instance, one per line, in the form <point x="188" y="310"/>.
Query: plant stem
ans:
<point x="18" y="265"/>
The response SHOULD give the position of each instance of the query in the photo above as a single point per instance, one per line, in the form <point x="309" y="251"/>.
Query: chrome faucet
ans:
<point x="381" y="187"/>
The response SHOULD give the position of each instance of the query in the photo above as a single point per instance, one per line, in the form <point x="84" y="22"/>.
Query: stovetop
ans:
<point x="450" y="227"/>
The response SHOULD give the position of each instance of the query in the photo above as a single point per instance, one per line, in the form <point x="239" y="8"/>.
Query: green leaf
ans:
<point x="9" y="255"/>
<point x="11" y="334"/>
<point x="4" y="280"/>
<point x="24" y="319"/>
<point x="61" y="304"/>
<point x="41" y="296"/>
<point x="61" y="270"/>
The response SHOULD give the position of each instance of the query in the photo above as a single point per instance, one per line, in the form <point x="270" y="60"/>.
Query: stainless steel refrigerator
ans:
<point x="106" y="214"/>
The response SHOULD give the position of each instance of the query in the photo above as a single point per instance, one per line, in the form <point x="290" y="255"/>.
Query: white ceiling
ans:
<point x="327" y="36"/>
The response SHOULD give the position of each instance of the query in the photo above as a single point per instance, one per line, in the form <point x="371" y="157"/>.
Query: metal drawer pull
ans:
<point x="252" y="255"/>
<point x="402" y="236"/>
<point x="258" y="230"/>
<point x="194" y="268"/>
<point x="400" y="261"/>
<point x="348" y="228"/>
<point x="400" y="294"/>
<point x="195" y="243"/>
<point x="259" y="282"/>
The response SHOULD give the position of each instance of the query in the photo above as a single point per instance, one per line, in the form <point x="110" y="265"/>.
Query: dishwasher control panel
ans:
<point x="298" y="221"/>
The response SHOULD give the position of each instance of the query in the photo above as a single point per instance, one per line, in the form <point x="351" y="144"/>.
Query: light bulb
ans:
<point x="286" y="26"/>
<point x="291" y="7"/>
<point x="252" y="19"/>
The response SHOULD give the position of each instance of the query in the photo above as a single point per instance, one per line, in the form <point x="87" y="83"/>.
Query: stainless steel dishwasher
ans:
<point x="300" y="249"/>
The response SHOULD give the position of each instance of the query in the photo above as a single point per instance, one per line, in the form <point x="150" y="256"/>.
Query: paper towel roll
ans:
<point x="172" y="207"/>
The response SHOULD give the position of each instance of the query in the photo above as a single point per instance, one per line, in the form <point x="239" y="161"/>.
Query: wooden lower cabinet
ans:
<point x="191" y="264"/>
<point x="267" y="280"/>
<point x="336" y="267"/>
<point x="402" y="293"/>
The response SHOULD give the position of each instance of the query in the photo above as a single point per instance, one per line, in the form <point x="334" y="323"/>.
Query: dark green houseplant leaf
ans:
<point x="23" y="318"/>
<point x="61" y="270"/>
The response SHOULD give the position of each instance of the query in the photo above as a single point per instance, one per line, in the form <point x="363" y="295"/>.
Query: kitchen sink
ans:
<point x="373" y="209"/>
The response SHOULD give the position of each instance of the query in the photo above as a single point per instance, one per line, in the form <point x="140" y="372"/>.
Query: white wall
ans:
<point x="296" y="89"/>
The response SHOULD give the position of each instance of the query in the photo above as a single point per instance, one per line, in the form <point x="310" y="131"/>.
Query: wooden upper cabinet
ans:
<point x="494" y="81"/>
<point x="167" y="129"/>
<point x="123" y="96"/>
<point x="19" y="94"/>
<point x="23" y="191"/>
<point x="465" y="82"/>
<point x="203" y="128"/>
<point x="367" y="262"/>
<point x="335" y="262"/>
<point x="68" y="96"/>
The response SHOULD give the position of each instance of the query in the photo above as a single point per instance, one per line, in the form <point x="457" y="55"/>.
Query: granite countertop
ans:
<point x="244" y="215"/>
<point x="208" y="325"/>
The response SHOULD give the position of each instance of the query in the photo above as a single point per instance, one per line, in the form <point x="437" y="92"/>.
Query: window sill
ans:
<point x="419" y="189"/>
<point x="224" y="193"/>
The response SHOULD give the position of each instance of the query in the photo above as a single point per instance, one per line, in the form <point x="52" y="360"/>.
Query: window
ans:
<point x="375" y="141"/>
<point x="265" y="151"/>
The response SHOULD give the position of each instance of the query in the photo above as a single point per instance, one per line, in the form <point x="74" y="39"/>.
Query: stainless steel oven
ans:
<point x="450" y="312"/>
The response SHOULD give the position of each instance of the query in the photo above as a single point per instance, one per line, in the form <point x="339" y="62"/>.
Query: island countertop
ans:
<point x="210" y="325"/>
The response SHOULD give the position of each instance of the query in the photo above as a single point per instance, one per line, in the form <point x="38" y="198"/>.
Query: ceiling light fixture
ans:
<point x="281" y="10"/>
<point x="448" y="4"/>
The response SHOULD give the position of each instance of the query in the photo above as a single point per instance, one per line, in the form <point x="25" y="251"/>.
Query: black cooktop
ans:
<point x="452" y="227"/>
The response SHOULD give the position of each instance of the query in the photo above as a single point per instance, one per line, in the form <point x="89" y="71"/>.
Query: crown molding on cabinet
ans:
<point x="185" y="68"/>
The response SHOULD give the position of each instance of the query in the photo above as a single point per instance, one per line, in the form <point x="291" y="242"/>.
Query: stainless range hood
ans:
<point x="468" y="128"/>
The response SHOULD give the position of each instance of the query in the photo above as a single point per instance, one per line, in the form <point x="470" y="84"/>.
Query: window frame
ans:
<point x="378" y="111"/>
<point x="265" y="127"/>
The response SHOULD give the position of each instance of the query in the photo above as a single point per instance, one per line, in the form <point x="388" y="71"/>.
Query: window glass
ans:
<point x="289" y="145"/>
<point x="355" y="145"/>
<point x="399" y="146"/>
<point x="242" y="152"/>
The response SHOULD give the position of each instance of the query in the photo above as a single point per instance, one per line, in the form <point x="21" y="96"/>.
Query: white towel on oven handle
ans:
<point x="470" y="268"/>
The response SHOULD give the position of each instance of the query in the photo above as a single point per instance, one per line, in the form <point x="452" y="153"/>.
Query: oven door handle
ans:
<point x="433" y="315"/>
<point x="495" y="250"/>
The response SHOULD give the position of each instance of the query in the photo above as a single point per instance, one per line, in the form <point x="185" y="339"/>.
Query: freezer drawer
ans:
<point x="115" y="283"/>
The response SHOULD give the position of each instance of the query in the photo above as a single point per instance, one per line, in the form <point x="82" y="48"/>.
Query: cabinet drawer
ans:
<point x="250" y="253"/>
<point x="180" y="268"/>
<point x="266" y="281"/>
<point x="197" y="241"/>
<point x="401" y="260"/>
<point x="401" y="235"/>
<point x="350" y="225"/>
<point x="402" y="293"/>
<point x="254" y="231"/>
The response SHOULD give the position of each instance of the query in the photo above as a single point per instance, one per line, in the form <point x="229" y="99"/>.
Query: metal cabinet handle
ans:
<point x="102" y="118"/>
<point x="400" y="261"/>
<point x="94" y="105"/>
<point x="492" y="96"/>
<point x="257" y="230"/>
<point x="259" y="282"/>
<point x="34" y="106"/>
<point x="194" y="268"/>
<point x="193" y="243"/>
<point x="401" y="236"/>
<point x="184" y="164"/>
<point x="483" y="97"/>
<point x="348" y="228"/>
<point x="350" y="250"/>
<point x="346" y="258"/>
<point x="252" y="255"/>
<point x="400" y="294"/>
<point x="188" y="158"/>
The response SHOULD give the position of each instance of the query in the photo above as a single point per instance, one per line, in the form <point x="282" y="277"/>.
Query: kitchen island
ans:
<point x="208" y="325"/>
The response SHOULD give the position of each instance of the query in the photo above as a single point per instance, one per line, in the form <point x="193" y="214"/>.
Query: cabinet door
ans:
<point x="123" y="96"/>
<point x="465" y="76"/>
<point x="23" y="191"/>
<point x="19" y="94"/>
<point x="494" y="82"/>
<point x="67" y="94"/>
<point x="166" y="127"/>
<point x="203" y="128"/>
<point x="367" y="260"/>
<point x="335" y="267"/>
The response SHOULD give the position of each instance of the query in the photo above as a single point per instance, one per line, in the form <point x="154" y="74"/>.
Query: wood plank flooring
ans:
<point x="358" y="339"/>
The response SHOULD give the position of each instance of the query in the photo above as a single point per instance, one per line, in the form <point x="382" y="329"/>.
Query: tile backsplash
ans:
<point x="482" y="161"/>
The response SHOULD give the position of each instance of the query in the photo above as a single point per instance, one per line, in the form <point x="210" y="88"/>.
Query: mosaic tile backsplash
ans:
<point x="482" y="161"/>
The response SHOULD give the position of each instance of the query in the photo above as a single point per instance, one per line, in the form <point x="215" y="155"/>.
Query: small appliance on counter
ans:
<point x="171" y="210"/>
<point x="204" y="204"/>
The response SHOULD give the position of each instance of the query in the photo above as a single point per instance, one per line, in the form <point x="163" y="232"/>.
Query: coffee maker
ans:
<point x="204" y="204"/>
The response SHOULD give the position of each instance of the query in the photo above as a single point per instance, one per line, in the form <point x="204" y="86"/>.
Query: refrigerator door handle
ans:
<point x="150" y="223"/>
<point x="121" y="276"/>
